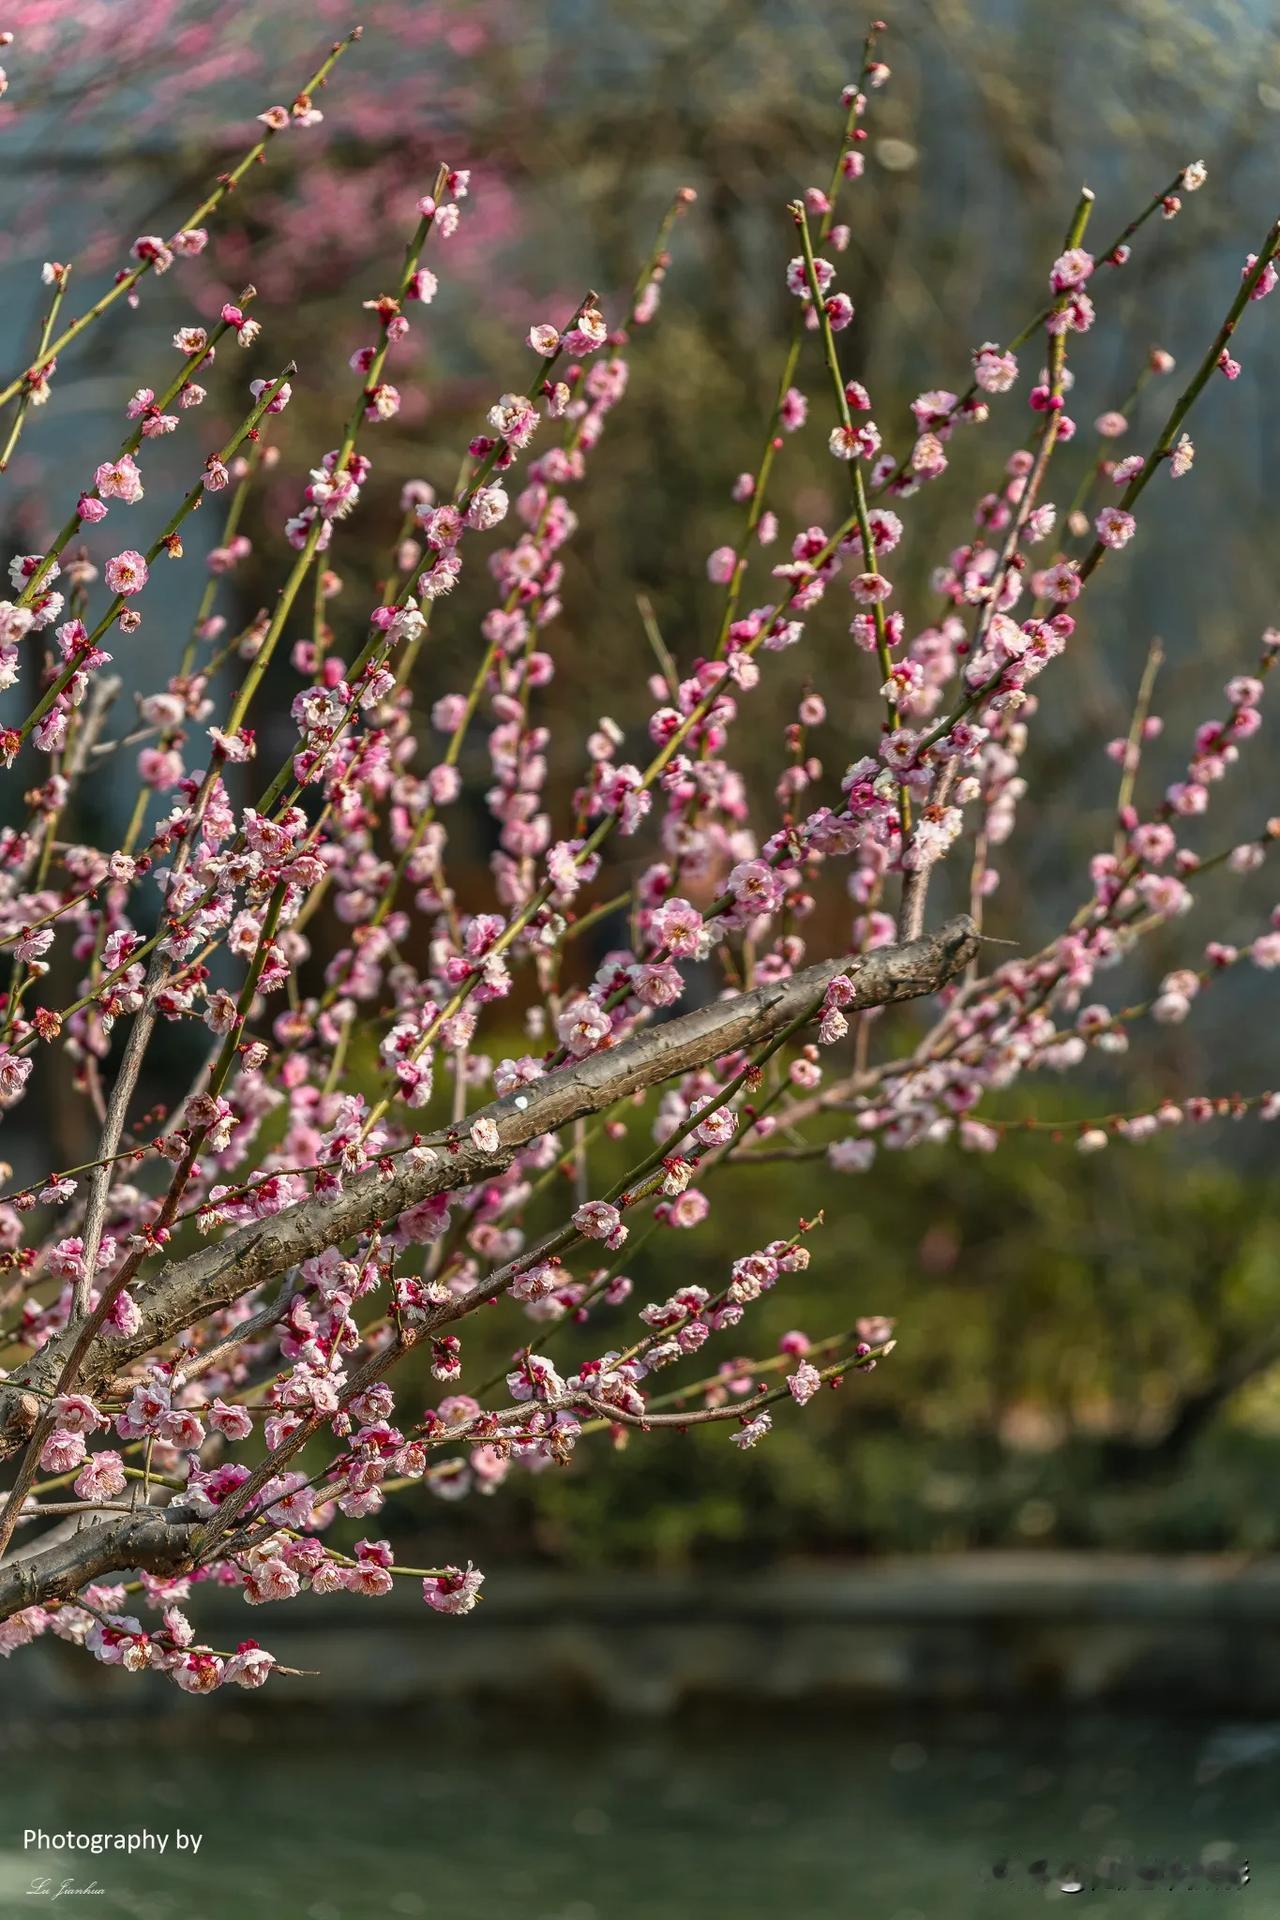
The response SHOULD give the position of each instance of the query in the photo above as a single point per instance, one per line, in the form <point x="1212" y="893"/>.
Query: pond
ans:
<point x="900" y="1818"/>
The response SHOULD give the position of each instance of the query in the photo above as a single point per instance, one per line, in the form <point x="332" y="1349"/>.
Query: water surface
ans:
<point x="903" y="1818"/>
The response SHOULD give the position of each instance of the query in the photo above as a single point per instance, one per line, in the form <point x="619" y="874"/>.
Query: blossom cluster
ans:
<point x="202" y="1320"/>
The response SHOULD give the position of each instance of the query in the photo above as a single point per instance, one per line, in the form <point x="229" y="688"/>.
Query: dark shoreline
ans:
<point x="1008" y="1630"/>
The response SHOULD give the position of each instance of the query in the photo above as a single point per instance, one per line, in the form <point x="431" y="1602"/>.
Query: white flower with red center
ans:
<point x="898" y="749"/>
<point x="151" y="250"/>
<point x="126" y="573"/>
<point x="678" y="926"/>
<point x="1060" y="582"/>
<point x="249" y="1666"/>
<point x="755" y="887"/>
<point x="1114" y="527"/>
<point x="24" y="566"/>
<point x="587" y="334"/>
<point x="454" y="1590"/>
<point x="119" y="479"/>
<point x="798" y="276"/>
<point x="233" y="1423"/>
<point x="583" y="1026"/>
<point x="281" y="391"/>
<point x="441" y="578"/>
<point x="75" y="1413"/>
<point x="371" y="1574"/>
<point x="1071" y="270"/>
<point x="270" y="1578"/>
<point x="855" y="442"/>
<point x="62" y="1450"/>
<point x="514" y="419"/>
<point x="182" y="1428"/>
<point x="870" y="589"/>
<point x="535" y="1378"/>
<point x="994" y="369"/>
<point x="804" y="1382"/>
<point x="488" y="506"/>
<point x="102" y="1477"/>
<point x="32" y="945"/>
<point x="886" y="529"/>
<point x="200" y="1671"/>
<point x="718" y="1127"/>
<point x="598" y="1220"/>
<point x="382" y="402"/>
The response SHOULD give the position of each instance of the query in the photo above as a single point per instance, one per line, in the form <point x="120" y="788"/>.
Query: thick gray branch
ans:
<point x="157" y="1541"/>
<point x="203" y="1282"/>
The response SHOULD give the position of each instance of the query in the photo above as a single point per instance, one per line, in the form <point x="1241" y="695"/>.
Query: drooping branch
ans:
<point x="202" y="1283"/>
